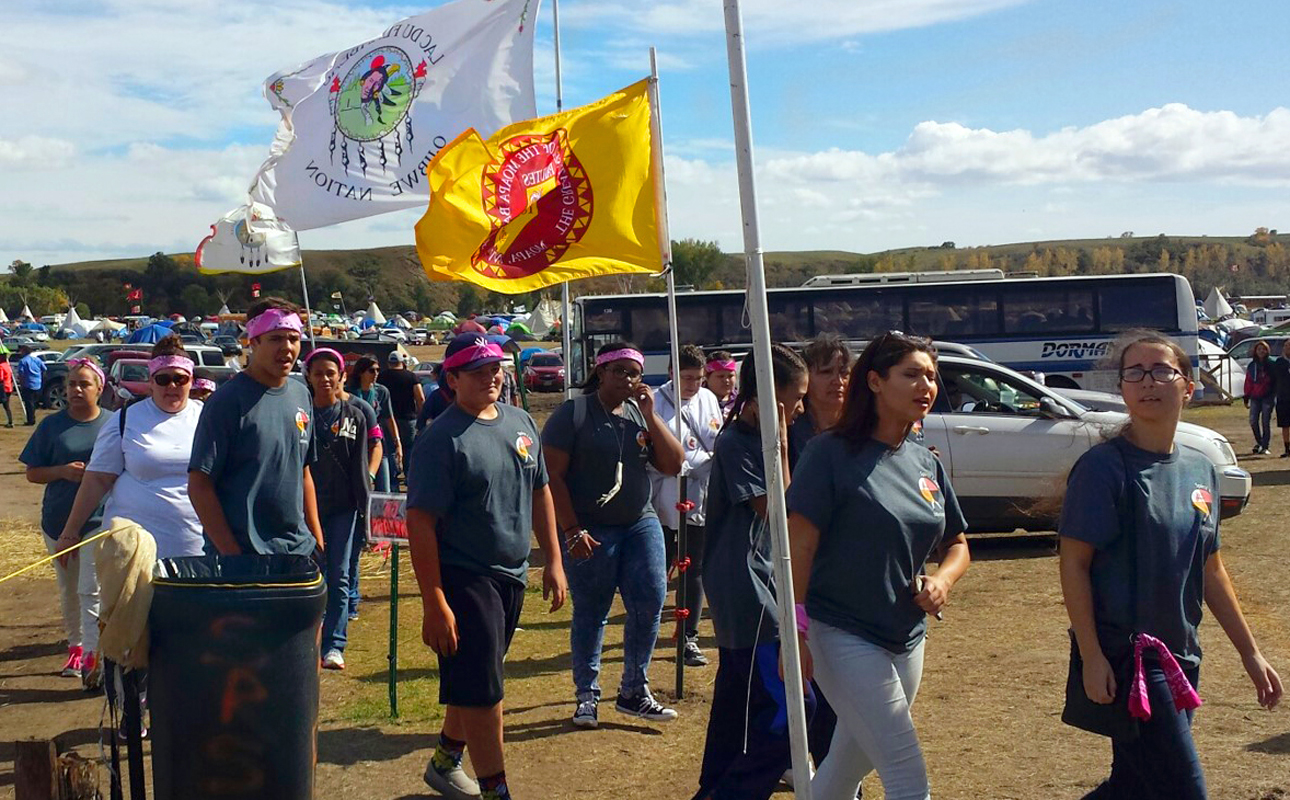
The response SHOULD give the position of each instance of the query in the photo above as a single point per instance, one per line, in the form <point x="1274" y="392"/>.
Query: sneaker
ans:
<point x="585" y="715"/>
<point x="353" y="615"/>
<point x="693" y="656"/>
<point x="644" y="706"/>
<point x="333" y="660"/>
<point x="1286" y="454"/>
<point x="452" y="783"/>
<point x="75" y="656"/>
<point x="91" y="672"/>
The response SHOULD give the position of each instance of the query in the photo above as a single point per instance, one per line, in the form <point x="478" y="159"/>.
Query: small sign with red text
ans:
<point x="387" y="518"/>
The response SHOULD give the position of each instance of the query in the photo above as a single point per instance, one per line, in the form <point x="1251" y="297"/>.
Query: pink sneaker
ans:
<point x="72" y="669"/>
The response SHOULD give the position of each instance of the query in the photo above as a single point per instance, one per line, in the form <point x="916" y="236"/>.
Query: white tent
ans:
<point x="374" y="314"/>
<point x="223" y="310"/>
<point x="3" y="316"/>
<point x="1216" y="306"/>
<point x="401" y="322"/>
<point x="543" y="317"/>
<point x="26" y="312"/>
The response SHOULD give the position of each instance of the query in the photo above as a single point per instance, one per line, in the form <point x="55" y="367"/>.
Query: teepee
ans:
<point x="26" y="313"/>
<point x="1216" y="306"/>
<point x="3" y="316"/>
<point x="374" y="314"/>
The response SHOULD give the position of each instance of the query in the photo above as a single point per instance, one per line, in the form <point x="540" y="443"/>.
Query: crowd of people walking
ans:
<point x="271" y="465"/>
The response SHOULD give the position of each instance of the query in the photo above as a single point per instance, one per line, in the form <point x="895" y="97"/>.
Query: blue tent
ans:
<point x="528" y="353"/>
<point x="165" y="323"/>
<point x="150" y="334"/>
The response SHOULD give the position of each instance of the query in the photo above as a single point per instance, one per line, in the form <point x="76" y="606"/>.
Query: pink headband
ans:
<point x="728" y="366"/>
<point x="159" y="363"/>
<point x="88" y="363"/>
<point x="480" y="349"/>
<point x="614" y="355"/>
<point x="274" y="319"/>
<point x="203" y="385"/>
<point x="325" y="351"/>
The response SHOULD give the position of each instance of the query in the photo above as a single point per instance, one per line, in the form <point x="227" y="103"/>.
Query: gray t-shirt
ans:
<point x="60" y="439"/>
<point x="738" y="578"/>
<point x="1170" y="510"/>
<point x="881" y="512"/>
<point x="595" y="450"/>
<point x="255" y="441"/>
<point x="478" y="478"/>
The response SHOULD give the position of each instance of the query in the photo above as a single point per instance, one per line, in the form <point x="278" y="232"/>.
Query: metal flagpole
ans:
<point x="665" y="251"/>
<point x="304" y="289"/>
<point x="767" y="418"/>
<point x="566" y="346"/>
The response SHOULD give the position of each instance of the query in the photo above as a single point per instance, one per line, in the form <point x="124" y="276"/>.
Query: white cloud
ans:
<point x="34" y="153"/>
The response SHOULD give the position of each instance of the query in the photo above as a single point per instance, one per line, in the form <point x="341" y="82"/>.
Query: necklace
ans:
<point x="619" y="431"/>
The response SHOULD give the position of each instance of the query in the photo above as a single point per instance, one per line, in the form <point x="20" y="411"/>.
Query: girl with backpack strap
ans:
<point x="1139" y="553"/>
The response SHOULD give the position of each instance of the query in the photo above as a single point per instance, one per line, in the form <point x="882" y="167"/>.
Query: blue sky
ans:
<point x="878" y="123"/>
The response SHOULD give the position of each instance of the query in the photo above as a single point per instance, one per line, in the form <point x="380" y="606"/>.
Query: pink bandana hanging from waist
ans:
<point x="274" y="319"/>
<point x="159" y="363"/>
<point x="1185" y="697"/>
<point x="614" y="355"/>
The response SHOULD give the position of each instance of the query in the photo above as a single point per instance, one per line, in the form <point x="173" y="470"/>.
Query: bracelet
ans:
<point x="574" y="527"/>
<point x="803" y="621"/>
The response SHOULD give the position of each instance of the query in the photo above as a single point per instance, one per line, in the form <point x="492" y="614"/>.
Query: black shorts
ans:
<point x="487" y="609"/>
<point x="1283" y="413"/>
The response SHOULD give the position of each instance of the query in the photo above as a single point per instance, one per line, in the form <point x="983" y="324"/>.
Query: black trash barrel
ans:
<point x="233" y="677"/>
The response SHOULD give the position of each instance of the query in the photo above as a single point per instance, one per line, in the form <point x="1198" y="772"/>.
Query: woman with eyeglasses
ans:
<point x="597" y="447"/>
<point x="140" y="461"/>
<point x="1139" y="553"/>
<point x="362" y="384"/>
<point x="868" y="508"/>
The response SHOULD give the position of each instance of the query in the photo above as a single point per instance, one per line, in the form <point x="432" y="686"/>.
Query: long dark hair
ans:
<point x="859" y="415"/>
<point x="593" y="377"/>
<point x="785" y="366"/>
<point x="363" y="364"/>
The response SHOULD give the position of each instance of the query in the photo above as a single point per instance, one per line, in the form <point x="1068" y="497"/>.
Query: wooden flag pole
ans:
<point x="769" y="421"/>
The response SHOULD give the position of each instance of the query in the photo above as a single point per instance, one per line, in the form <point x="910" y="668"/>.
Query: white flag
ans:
<point x="248" y="239"/>
<point x="359" y="126"/>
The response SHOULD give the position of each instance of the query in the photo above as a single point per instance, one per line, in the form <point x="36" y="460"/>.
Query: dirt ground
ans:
<point x="987" y="712"/>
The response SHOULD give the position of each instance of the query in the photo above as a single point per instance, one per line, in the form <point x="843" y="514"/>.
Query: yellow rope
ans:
<point x="62" y="553"/>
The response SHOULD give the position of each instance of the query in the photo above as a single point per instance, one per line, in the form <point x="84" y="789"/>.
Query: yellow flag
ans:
<point x="545" y="201"/>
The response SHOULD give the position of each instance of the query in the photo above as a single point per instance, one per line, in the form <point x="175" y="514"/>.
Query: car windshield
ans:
<point x="134" y="372"/>
<point x="546" y="361"/>
<point x="972" y="391"/>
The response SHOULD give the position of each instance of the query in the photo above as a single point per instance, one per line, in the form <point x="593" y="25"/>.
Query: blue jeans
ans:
<point x="382" y="482"/>
<point x="338" y="541"/>
<point x="1162" y="762"/>
<point x="629" y="560"/>
<point x="1261" y="419"/>
<point x="355" y="550"/>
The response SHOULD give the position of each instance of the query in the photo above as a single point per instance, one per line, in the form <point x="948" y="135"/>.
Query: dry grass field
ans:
<point x="987" y="712"/>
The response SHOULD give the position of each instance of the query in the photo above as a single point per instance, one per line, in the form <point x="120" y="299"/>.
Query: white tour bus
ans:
<point x="1061" y="327"/>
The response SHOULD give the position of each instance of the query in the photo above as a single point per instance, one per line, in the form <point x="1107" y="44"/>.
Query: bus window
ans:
<point x="1026" y="310"/>
<point x="949" y="314"/>
<point x="790" y="319"/>
<point x="603" y="320"/>
<point x="1126" y="305"/>
<point x="859" y="317"/>
<point x="650" y="328"/>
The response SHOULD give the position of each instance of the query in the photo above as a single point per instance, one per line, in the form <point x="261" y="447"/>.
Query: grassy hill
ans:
<point x="1256" y="264"/>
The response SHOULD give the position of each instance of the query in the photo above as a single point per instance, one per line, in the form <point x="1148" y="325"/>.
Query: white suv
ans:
<point x="1010" y="442"/>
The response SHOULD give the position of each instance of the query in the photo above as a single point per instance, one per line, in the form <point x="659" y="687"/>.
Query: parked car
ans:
<point x="1009" y="442"/>
<point x="418" y="336"/>
<point x="544" y="372"/>
<point x="14" y="342"/>
<point x="228" y="345"/>
<point x="383" y="334"/>
<point x="127" y="380"/>
<point x="48" y="356"/>
<point x="1094" y="401"/>
<point x="1243" y="351"/>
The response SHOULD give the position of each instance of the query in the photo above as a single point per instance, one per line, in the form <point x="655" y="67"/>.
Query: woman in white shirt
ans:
<point x="700" y="423"/>
<point x="141" y="458"/>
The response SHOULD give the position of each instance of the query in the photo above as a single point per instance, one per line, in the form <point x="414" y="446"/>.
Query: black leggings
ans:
<point x="4" y="401"/>
<point x="693" y="574"/>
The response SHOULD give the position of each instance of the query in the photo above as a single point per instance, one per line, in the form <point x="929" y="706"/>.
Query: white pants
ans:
<point x="871" y="689"/>
<point x="78" y="592"/>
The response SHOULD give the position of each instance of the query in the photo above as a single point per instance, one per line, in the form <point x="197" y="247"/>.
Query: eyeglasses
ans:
<point x="166" y="378"/>
<point x="1160" y="373"/>
<point x="631" y="375"/>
